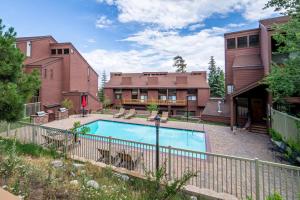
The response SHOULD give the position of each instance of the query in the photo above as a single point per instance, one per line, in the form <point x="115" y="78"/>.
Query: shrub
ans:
<point x="275" y="135"/>
<point x="67" y="103"/>
<point x="152" y="107"/>
<point x="275" y="196"/>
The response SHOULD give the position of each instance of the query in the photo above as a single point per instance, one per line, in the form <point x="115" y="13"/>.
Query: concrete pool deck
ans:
<point x="221" y="139"/>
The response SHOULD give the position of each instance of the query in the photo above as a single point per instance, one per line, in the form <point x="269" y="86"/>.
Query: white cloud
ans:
<point x="196" y="26"/>
<point x="159" y="48"/>
<point x="91" y="40"/>
<point x="103" y="22"/>
<point x="169" y="14"/>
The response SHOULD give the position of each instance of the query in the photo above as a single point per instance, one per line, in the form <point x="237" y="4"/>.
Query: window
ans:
<point x="192" y="98"/>
<point x="144" y="98"/>
<point x="134" y="94"/>
<point x="51" y="73"/>
<point x="254" y="40"/>
<point x="45" y="73"/>
<point x="231" y="43"/>
<point x="59" y="51"/>
<point x="118" y="96"/>
<point x="230" y="89"/>
<point x="28" y="48"/>
<point x="242" y="42"/>
<point x="172" y="95"/>
<point x="118" y="91"/>
<point x="143" y="91"/>
<point x="66" y="51"/>
<point x="53" y="51"/>
<point x="162" y="94"/>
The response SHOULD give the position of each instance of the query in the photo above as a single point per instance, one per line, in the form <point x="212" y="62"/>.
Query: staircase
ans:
<point x="258" y="128"/>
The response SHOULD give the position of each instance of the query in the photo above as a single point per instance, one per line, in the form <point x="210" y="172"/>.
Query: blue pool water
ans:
<point x="184" y="139"/>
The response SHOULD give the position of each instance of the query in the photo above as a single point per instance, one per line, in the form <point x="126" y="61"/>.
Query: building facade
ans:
<point x="248" y="58"/>
<point x="65" y="74"/>
<point x="177" y="93"/>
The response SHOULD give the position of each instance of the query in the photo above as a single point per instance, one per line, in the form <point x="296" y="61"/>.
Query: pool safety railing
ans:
<point x="241" y="177"/>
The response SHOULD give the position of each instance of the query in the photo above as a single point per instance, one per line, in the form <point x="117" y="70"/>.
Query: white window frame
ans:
<point x="28" y="48"/>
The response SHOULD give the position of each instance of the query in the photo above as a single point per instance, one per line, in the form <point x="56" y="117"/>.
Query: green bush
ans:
<point x="275" y="196"/>
<point x="275" y="135"/>
<point x="152" y="107"/>
<point x="67" y="103"/>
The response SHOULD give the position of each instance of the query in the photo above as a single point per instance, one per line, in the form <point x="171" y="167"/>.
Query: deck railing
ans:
<point x="153" y="101"/>
<point x="238" y="176"/>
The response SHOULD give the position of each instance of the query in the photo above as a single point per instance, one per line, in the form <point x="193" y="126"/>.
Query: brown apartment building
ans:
<point x="248" y="58"/>
<point x="65" y="74"/>
<point x="176" y="93"/>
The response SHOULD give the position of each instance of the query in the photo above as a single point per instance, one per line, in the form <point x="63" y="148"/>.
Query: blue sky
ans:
<point x="136" y="35"/>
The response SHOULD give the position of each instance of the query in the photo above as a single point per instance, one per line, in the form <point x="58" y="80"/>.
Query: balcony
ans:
<point x="154" y="101"/>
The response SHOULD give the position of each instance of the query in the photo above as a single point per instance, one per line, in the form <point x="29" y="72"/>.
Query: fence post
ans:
<point x="66" y="144"/>
<point x="169" y="162"/>
<point x="257" y="192"/>
<point x="33" y="133"/>
<point x="8" y="129"/>
<point x="109" y="150"/>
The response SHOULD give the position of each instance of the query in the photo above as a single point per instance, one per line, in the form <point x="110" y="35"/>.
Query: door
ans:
<point x="258" y="110"/>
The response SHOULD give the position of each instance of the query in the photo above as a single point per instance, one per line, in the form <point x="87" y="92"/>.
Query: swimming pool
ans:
<point x="178" y="138"/>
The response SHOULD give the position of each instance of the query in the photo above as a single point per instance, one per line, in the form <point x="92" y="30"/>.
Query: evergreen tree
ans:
<point x="16" y="87"/>
<point x="180" y="64"/>
<point x="216" y="79"/>
<point x="103" y="82"/>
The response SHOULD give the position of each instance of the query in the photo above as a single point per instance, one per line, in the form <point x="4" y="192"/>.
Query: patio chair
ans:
<point x="129" y="161"/>
<point x="152" y="116"/>
<point x="120" y="113"/>
<point x="164" y="117"/>
<point x="104" y="156"/>
<point x="130" y="114"/>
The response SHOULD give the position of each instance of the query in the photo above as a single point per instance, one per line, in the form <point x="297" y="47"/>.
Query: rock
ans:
<point x="193" y="198"/>
<point x="4" y="186"/>
<point x="124" y="177"/>
<point x="74" y="182"/>
<point x="78" y="165"/>
<point x="57" y="163"/>
<point x="93" y="184"/>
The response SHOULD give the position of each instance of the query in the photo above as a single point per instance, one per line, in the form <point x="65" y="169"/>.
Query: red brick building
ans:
<point x="172" y="92"/>
<point x="65" y="74"/>
<point x="248" y="57"/>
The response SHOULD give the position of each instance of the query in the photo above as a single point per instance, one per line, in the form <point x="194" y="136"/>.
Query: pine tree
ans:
<point x="180" y="64"/>
<point x="216" y="79"/>
<point x="103" y="82"/>
<point x="16" y="87"/>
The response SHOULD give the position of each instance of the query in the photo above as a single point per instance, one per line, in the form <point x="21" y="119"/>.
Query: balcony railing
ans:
<point x="154" y="101"/>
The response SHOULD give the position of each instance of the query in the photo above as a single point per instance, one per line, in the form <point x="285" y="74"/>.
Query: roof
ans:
<point x="276" y="20"/>
<point x="241" y="31"/>
<point x="246" y="89"/>
<point x="44" y="61"/>
<point x="19" y="39"/>
<point x="247" y="61"/>
<point x="158" y="80"/>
